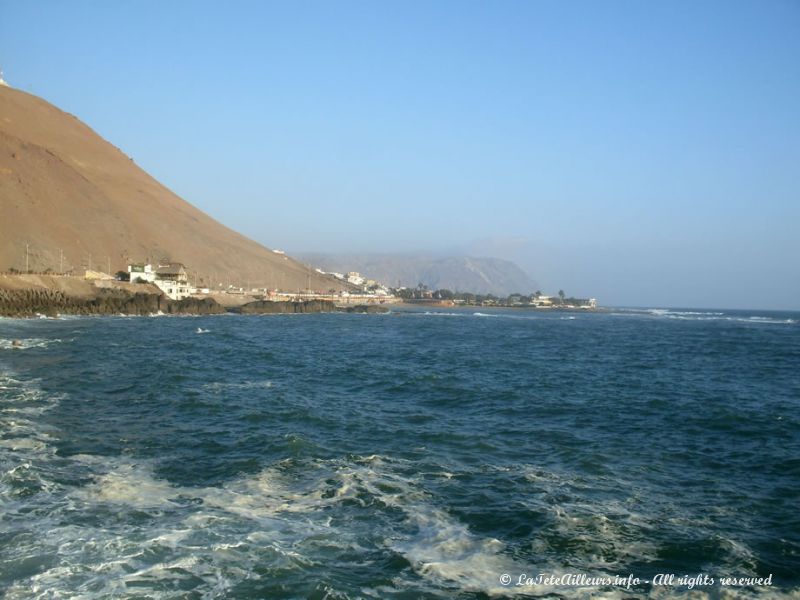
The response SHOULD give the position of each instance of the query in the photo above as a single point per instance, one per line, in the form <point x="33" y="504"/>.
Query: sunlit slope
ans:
<point x="65" y="189"/>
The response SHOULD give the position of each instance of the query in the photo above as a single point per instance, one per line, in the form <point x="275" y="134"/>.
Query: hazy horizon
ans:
<point x="643" y="154"/>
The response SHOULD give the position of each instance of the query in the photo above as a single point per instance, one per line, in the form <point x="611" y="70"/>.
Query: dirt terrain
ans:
<point x="79" y="202"/>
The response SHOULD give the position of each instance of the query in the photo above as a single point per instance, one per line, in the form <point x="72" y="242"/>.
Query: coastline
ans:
<point x="32" y="296"/>
<point x="32" y="304"/>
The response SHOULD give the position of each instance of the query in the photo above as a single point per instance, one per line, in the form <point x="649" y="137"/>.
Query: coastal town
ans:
<point x="179" y="284"/>
<point x="173" y="280"/>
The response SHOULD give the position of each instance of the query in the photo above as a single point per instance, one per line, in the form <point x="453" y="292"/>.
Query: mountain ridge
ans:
<point x="480" y="275"/>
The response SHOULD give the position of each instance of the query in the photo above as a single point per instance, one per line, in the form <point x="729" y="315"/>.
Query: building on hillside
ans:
<point x="141" y="273"/>
<point x="173" y="280"/>
<point x="172" y="272"/>
<point x="355" y="278"/>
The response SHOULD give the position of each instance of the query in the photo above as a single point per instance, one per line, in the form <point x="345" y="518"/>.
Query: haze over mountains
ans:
<point x="457" y="273"/>
<point x="64" y="189"/>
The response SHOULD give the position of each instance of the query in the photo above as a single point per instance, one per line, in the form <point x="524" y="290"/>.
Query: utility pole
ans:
<point x="61" y="261"/>
<point x="90" y="262"/>
<point x="109" y="265"/>
<point x="26" y="257"/>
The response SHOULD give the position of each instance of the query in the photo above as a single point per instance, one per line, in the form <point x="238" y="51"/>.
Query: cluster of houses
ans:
<point x="540" y="300"/>
<point x="173" y="280"/>
<point x="357" y="279"/>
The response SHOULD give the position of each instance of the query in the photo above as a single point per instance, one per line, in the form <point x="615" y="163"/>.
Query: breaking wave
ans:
<point x="694" y="315"/>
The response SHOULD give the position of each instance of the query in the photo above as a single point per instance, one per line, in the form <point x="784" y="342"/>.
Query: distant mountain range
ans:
<point x="69" y="198"/>
<point x="456" y="273"/>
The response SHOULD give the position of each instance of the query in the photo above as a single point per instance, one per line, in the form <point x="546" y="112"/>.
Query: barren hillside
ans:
<point x="64" y="189"/>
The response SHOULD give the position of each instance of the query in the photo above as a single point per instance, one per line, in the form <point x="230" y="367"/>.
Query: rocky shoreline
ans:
<point x="34" y="302"/>
<point x="51" y="303"/>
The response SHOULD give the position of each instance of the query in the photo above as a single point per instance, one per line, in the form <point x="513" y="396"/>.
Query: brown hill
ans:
<point x="65" y="189"/>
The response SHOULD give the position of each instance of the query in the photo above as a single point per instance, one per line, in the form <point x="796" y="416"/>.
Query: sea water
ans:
<point x="418" y="454"/>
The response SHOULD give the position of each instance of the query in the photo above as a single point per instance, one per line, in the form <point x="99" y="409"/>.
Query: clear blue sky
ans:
<point x="646" y="153"/>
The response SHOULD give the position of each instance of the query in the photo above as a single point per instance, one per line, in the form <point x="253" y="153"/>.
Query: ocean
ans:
<point x="440" y="453"/>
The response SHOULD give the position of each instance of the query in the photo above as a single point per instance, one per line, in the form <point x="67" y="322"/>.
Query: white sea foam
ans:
<point x="442" y="314"/>
<point x="667" y="311"/>
<point x="23" y="443"/>
<point x="129" y="484"/>
<point x="444" y="550"/>
<point x="28" y="343"/>
<point x="686" y="315"/>
<point x="217" y="386"/>
<point x="212" y="538"/>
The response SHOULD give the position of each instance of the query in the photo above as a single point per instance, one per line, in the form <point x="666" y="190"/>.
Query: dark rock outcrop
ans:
<point x="365" y="309"/>
<point x="30" y="302"/>
<point x="193" y="306"/>
<point x="266" y="307"/>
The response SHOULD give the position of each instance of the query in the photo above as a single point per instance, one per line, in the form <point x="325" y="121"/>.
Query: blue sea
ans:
<point x="440" y="453"/>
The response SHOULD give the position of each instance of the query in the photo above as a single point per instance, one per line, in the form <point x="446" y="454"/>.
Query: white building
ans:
<point x="173" y="280"/>
<point x="355" y="278"/>
<point x="141" y="272"/>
